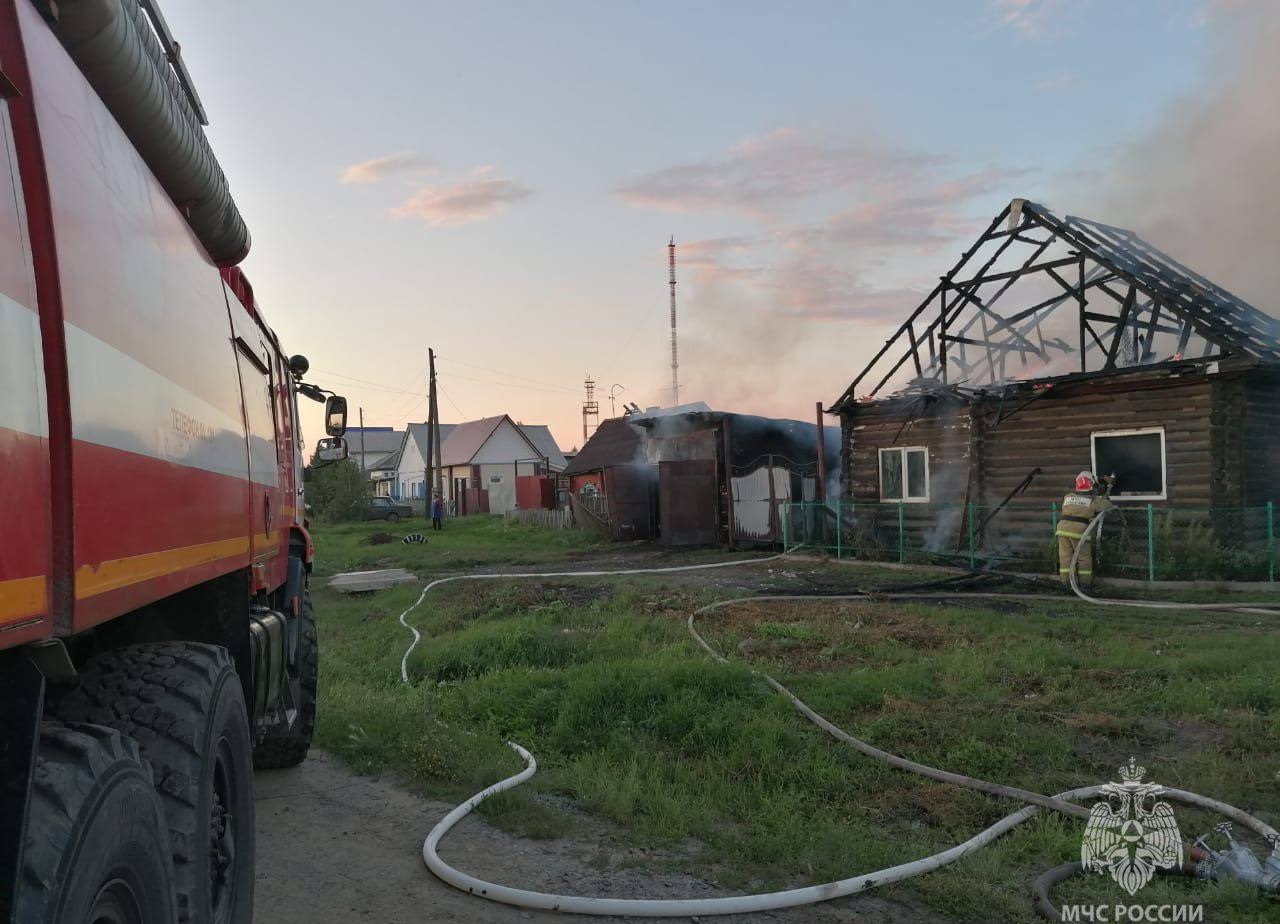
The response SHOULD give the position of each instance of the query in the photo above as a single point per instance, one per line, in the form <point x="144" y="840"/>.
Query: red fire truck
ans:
<point x="156" y="635"/>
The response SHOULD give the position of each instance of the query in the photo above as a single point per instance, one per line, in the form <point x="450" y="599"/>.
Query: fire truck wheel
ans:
<point x="287" y="745"/>
<point x="183" y="703"/>
<point x="97" y="848"/>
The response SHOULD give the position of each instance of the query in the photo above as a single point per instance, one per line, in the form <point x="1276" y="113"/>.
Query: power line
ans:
<point x="507" y="375"/>
<point x="450" y="400"/>
<point x="377" y="386"/>
<point x="383" y="387"/>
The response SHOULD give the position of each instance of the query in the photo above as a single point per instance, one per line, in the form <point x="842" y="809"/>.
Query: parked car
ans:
<point x="384" y="508"/>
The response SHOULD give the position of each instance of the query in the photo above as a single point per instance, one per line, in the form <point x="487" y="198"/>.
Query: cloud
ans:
<point x="761" y="174"/>
<point x="1029" y="18"/>
<point x="370" y="171"/>
<point x="1057" y="82"/>
<point x="478" y="197"/>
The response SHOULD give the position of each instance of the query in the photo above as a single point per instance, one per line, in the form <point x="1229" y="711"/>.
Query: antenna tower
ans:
<point x="675" y="350"/>
<point x="590" y="410"/>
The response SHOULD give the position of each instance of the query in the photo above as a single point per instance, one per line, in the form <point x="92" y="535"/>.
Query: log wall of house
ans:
<point x="1222" y="447"/>
<point x="941" y="423"/>
<point x="1054" y="434"/>
<point x="1260" y="439"/>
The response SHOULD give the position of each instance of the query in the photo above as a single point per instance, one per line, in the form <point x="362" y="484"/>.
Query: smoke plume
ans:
<point x="1204" y="185"/>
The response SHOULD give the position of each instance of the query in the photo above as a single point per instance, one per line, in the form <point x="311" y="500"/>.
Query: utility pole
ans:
<point x="363" y="476"/>
<point x="820" y="489"/>
<point x="435" y="424"/>
<point x="427" y="475"/>
<point x="675" y="355"/>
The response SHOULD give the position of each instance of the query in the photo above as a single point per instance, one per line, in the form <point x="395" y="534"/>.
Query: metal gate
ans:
<point x="689" y="502"/>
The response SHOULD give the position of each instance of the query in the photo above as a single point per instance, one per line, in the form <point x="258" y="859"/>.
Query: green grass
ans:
<point x="465" y="543"/>
<point x="634" y="724"/>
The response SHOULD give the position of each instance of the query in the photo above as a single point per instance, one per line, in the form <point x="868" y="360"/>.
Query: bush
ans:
<point x="336" y="492"/>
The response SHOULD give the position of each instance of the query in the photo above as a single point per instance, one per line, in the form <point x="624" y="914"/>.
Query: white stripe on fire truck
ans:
<point x="22" y="396"/>
<point x="118" y="402"/>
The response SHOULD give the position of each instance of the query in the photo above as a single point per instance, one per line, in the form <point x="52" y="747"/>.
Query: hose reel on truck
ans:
<point x="124" y="49"/>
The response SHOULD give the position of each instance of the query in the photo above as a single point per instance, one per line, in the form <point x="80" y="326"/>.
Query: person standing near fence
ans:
<point x="437" y="512"/>
<point x="1078" y="510"/>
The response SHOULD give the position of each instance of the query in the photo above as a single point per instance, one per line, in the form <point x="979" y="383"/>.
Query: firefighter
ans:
<point x="1078" y="510"/>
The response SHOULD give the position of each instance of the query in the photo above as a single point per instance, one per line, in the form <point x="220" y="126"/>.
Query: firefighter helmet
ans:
<point x="1085" y="481"/>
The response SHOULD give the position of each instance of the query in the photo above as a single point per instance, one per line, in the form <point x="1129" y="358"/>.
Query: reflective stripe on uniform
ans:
<point x="1068" y="534"/>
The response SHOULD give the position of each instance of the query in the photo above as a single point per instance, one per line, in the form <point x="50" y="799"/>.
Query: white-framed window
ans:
<point x="904" y="474"/>
<point x="1137" y="459"/>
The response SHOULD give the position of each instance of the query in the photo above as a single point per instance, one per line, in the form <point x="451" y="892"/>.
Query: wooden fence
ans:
<point x="547" y="519"/>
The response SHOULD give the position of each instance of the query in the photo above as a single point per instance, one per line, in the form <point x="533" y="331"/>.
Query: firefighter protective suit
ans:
<point x="1078" y="509"/>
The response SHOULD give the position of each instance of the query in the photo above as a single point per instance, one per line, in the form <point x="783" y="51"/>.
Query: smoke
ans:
<point x="947" y="482"/>
<point x="1204" y="184"/>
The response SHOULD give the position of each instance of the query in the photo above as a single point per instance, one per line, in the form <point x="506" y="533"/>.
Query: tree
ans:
<point x="336" y="491"/>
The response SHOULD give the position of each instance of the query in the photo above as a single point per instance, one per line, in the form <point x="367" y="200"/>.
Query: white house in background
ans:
<point x="540" y="436"/>
<point x="382" y="472"/>
<point x="484" y="453"/>
<point x="488" y="453"/>
<point x="370" y="447"/>
<point x="411" y="466"/>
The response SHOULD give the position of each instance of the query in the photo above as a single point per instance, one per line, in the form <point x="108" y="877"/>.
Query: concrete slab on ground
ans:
<point x="352" y="582"/>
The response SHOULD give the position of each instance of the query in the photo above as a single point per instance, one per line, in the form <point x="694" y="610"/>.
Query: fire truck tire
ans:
<point x="97" y="846"/>
<point x="288" y="746"/>
<point x="183" y="703"/>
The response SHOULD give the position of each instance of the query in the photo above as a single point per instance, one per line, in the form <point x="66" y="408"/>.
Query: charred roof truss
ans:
<point x="1090" y="298"/>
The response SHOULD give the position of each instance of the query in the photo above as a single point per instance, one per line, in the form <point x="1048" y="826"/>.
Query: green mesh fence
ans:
<point x="1138" y="540"/>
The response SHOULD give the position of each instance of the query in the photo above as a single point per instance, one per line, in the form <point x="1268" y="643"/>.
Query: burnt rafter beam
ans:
<point x="1054" y="301"/>
<point x="924" y="306"/>
<point x="984" y="278"/>
<point x="1151" y="280"/>
<point x="941" y="290"/>
<point x="1026" y="224"/>
<point x="999" y="293"/>
<point x="1153" y="327"/>
<point x="1071" y="290"/>
<point x="1003" y="345"/>
<point x="986" y="312"/>
<point x="1096" y="339"/>
<point x="1122" y="324"/>
<point x="915" y="349"/>
<point x="1114" y="319"/>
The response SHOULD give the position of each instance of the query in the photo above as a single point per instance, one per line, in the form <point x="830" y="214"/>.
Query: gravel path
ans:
<point x="336" y="848"/>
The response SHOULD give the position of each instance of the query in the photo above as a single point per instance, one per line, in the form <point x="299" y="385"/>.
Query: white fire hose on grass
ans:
<point x="789" y="898"/>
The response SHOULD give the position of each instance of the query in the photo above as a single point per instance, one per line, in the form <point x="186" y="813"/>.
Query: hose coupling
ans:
<point x="1239" y="862"/>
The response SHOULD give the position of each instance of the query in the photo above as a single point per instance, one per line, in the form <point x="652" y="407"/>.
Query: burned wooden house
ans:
<point x="612" y="487"/>
<point x="1057" y="344"/>
<point x="724" y="479"/>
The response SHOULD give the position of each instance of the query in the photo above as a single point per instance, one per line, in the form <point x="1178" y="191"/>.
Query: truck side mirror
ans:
<point x="331" y="450"/>
<point x="335" y="416"/>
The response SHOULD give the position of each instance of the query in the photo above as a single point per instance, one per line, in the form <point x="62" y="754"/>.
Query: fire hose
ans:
<point x="573" y="904"/>
<point x="1096" y="524"/>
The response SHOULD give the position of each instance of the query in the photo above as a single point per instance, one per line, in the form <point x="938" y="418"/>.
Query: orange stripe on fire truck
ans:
<point x="23" y="598"/>
<point x="92" y="580"/>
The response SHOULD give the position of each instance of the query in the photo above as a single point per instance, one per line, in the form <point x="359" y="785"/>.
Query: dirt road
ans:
<point x="337" y="848"/>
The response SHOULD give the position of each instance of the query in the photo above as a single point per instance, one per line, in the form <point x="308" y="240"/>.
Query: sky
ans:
<point x="498" y="181"/>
